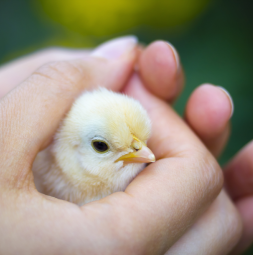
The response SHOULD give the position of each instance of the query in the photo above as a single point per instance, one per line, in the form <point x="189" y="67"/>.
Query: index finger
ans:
<point x="167" y="197"/>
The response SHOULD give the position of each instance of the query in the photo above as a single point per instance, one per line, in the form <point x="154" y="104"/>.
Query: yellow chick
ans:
<point x="99" y="148"/>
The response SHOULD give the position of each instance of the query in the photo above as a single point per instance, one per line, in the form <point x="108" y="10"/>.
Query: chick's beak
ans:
<point x="142" y="153"/>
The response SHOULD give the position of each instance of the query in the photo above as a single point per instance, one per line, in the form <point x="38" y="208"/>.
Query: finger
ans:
<point x="239" y="174"/>
<point x="18" y="70"/>
<point x="208" y="112"/>
<point x="31" y="113"/>
<point x="216" y="232"/>
<point x="238" y="182"/>
<point x="167" y="197"/>
<point x="245" y="207"/>
<point x="161" y="71"/>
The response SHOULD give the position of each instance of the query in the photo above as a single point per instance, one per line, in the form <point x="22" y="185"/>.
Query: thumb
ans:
<point x="31" y="113"/>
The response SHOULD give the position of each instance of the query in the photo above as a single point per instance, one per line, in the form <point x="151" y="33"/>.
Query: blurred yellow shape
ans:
<point x="108" y="17"/>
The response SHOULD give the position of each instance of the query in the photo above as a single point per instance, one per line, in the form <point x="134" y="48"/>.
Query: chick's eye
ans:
<point x="100" y="146"/>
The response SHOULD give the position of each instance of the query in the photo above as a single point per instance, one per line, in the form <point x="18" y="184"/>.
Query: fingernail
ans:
<point x="176" y="56"/>
<point x="230" y="99"/>
<point x="115" y="48"/>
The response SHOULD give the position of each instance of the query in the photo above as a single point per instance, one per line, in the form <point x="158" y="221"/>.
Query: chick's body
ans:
<point x="94" y="151"/>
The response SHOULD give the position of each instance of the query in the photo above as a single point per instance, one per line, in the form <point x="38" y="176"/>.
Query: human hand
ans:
<point x="37" y="107"/>
<point x="208" y="112"/>
<point x="218" y="230"/>
<point x="169" y="79"/>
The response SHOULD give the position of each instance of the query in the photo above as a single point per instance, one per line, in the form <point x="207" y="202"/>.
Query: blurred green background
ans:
<point x="214" y="40"/>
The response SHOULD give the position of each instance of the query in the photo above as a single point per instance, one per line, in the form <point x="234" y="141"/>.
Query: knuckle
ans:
<point x="63" y="76"/>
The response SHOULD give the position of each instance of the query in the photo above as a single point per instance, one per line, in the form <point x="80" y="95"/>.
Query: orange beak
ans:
<point x="142" y="153"/>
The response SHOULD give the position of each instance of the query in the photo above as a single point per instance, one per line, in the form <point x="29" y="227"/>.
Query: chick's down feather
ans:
<point x="98" y="149"/>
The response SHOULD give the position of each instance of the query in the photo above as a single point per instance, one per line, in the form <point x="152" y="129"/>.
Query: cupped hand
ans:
<point x="165" y="199"/>
<point x="207" y="112"/>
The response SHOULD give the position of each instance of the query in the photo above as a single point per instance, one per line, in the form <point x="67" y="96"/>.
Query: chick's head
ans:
<point x="104" y="137"/>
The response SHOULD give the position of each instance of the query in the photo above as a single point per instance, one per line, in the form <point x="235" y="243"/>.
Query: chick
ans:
<point x="99" y="148"/>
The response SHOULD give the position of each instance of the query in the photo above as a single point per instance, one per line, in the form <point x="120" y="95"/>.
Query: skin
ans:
<point x="19" y="190"/>
<point x="214" y="132"/>
<point x="209" y="229"/>
<point x="238" y="174"/>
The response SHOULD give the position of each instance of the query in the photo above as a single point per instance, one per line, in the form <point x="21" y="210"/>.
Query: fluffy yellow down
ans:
<point x="71" y="169"/>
